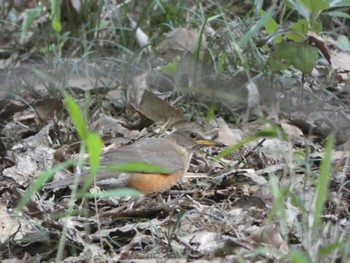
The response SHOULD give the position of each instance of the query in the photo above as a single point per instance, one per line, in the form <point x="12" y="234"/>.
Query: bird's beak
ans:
<point x="210" y="143"/>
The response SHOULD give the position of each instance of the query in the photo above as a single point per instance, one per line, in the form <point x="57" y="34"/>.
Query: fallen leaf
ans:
<point x="150" y="105"/>
<point x="270" y="234"/>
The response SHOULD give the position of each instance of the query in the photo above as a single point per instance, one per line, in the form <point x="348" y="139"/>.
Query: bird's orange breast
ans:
<point x="151" y="183"/>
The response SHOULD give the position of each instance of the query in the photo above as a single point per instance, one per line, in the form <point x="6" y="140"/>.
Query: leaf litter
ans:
<point x="223" y="210"/>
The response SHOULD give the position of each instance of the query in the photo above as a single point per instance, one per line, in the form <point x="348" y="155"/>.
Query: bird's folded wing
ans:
<point x="160" y="153"/>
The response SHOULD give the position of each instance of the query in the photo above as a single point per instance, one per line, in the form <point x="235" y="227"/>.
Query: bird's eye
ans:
<point x="193" y="135"/>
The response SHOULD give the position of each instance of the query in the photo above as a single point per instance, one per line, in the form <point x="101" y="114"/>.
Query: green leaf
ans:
<point x="56" y="15"/>
<point x="316" y="27"/>
<point x="299" y="31"/>
<point x="77" y="117"/>
<point x="315" y="5"/>
<point x="171" y="68"/>
<point x="56" y="25"/>
<point x="301" y="56"/>
<point x="39" y="182"/>
<point x="271" y="27"/>
<point x="323" y="181"/>
<point x="301" y="28"/>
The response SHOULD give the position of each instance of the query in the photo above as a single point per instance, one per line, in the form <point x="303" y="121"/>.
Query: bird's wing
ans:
<point x="159" y="152"/>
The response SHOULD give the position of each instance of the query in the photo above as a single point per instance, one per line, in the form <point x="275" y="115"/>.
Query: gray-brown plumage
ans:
<point x="173" y="152"/>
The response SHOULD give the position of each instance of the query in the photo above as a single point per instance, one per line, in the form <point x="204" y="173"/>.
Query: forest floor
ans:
<point x="125" y="72"/>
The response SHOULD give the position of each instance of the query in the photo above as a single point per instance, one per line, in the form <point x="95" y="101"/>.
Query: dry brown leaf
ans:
<point x="150" y="105"/>
<point x="294" y="134"/>
<point x="32" y="157"/>
<point x="270" y="234"/>
<point x="11" y="108"/>
<point x="226" y="135"/>
<point x="46" y="109"/>
<point x="205" y="241"/>
<point x="340" y="60"/>
<point x="107" y="126"/>
<point x="9" y="225"/>
<point x="181" y="41"/>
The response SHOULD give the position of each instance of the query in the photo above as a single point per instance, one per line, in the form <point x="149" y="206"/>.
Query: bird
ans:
<point x="173" y="152"/>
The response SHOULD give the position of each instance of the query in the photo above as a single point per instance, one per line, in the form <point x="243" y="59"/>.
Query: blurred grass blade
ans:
<point x="279" y="197"/>
<point x="323" y="181"/>
<point x="211" y="113"/>
<point x="338" y="3"/>
<point x="221" y="63"/>
<point x="300" y="7"/>
<point x="199" y="43"/>
<point x="28" y="19"/>
<point x="56" y="15"/>
<point x="39" y="182"/>
<point x="77" y="117"/>
<point x="298" y="256"/>
<point x="116" y="193"/>
<point x="235" y="147"/>
<point x="255" y="29"/>
<point x="94" y="145"/>
<point x="128" y="168"/>
<point x="338" y="14"/>
<point x="139" y="167"/>
<point x="328" y="249"/>
<point x="272" y="131"/>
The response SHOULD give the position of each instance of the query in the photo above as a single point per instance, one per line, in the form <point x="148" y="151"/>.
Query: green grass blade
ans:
<point x="116" y="193"/>
<point x="279" y="197"/>
<point x="30" y="15"/>
<point x="255" y="29"/>
<point x="56" y="15"/>
<point x="77" y="117"/>
<point x="323" y="181"/>
<point x="94" y="145"/>
<point x="272" y="131"/>
<point x="235" y="147"/>
<point x="39" y="182"/>
<point x="138" y="167"/>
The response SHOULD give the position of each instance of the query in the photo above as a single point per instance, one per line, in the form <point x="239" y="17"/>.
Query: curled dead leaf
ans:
<point x="270" y="234"/>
